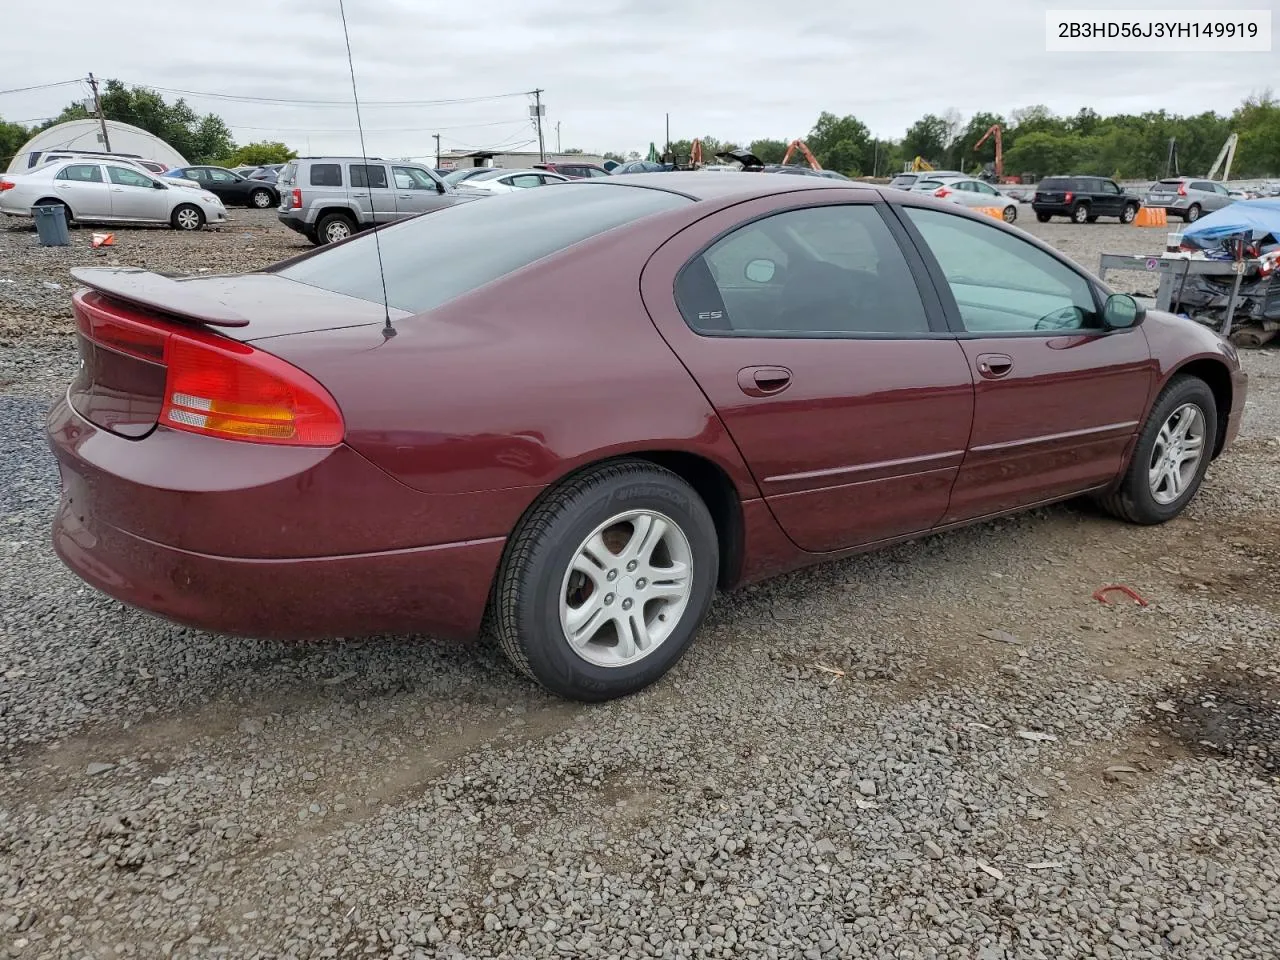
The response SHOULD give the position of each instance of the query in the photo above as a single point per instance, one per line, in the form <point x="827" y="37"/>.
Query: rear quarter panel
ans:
<point x="523" y="381"/>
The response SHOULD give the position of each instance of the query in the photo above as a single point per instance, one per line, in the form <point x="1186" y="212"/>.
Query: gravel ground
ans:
<point x="944" y="750"/>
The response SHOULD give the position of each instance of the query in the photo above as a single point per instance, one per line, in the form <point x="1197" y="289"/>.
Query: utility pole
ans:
<point x="557" y="136"/>
<point x="667" y="150"/>
<point x="97" y="108"/>
<point x="537" y="110"/>
<point x="437" y="136"/>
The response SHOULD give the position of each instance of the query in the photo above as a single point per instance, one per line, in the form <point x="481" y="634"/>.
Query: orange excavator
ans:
<point x="994" y="129"/>
<point x="803" y="147"/>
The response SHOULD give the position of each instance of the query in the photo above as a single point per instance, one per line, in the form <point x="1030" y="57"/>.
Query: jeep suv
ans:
<point x="1083" y="199"/>
<point x="1188" y="197"/>
<point x="327" y="199"/>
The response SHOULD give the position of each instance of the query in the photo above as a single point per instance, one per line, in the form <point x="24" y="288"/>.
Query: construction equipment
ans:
<point x="1225" y="156"/>
<point x="994" y="129"/>
<point x="800" y="145"/>
<point x="1171" y="163"/>
<point x="695" y="154"/>
<point x="918" y="165"/>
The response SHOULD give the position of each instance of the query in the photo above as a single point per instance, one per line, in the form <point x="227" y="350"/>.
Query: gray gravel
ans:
<point x="944" y="750"/>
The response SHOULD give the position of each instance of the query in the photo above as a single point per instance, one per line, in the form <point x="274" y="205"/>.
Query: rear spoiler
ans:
<point x="165" y="294"/>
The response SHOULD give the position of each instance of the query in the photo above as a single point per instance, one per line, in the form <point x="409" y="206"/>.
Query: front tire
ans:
<point x="1043" y="217"/>
<point x="1129" y="214"/>
<point x="1080" y="213"/>
<point x="1171" y="456"/>
<point x="1010" y="214"/>
<point x="187" y="217"/>
<point x="606" y="581"/>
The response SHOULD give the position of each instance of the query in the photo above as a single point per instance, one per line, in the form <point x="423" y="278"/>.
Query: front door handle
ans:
<point x="994" y="366"/>
<point x="763" y="381"/>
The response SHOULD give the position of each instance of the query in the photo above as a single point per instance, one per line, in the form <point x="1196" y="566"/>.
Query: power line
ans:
<point x="278" y="101"/>
<point x="41" y="86"/>
<point x="423" y="126"/>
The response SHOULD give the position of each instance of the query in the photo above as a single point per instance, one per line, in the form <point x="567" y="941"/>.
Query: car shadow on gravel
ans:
<point x="1230" y="712"/>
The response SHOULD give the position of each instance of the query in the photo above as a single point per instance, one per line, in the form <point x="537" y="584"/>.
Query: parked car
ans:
<point x="327" y="199"/>
<point x="642" y="166"/>
<point x="108" y="192"/>
<point x="802" y="170"/>
<point x="1188" y="197"/>
<point x="574" y="170"/>
<point x="230" y="186"/>
<point x="38" y="158"/>
<point x="508" y="181"/>
<point x="243" y="171"/>
<point x="972" y="192"/>
<point x="454" y="177"/>
<point x="1083" y="199"/>
<point x="905" y="181"/>
<point x="815" y="380"/>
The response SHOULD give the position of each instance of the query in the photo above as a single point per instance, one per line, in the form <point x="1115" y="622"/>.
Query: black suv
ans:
<point x="1083" y="199"/>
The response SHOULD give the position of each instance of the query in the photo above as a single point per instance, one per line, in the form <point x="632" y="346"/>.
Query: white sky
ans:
<point x="610" y="69"/>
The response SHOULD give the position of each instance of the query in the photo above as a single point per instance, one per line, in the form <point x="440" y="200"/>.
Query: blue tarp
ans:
<point x="1259" y="217"/>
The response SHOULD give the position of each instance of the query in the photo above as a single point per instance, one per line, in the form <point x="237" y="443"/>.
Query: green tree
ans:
<point x="842" y="144"/>
<point x="12" y="137"/>
<point x="256" y="154"/>
<point x="926" y="138"/>
<point x="769" y="151"/>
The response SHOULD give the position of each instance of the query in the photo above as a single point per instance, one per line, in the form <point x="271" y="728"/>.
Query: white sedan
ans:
<point x="103" y="191"/>
<point x="971" y="192"/>
<point x="507" y="181"/>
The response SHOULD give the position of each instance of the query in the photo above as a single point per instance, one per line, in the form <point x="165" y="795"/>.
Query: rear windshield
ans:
<point x="436" y="257"/>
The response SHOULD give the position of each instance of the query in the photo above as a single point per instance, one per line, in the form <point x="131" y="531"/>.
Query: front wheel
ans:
<point x="606" y="581"/>
<point x="187" y="216"/>
<point x="1010" y="214"/>
<point x="1043" y="217"/>
<point x="1129" y="214"/>
<point x="1171" y="456"/>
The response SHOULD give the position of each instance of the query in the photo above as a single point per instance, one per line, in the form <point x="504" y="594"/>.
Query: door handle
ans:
<point x="405" y="196"/>
<point x="117" y="189"/>
<point x="994" y="366"/>
<point x="763" y="381"/>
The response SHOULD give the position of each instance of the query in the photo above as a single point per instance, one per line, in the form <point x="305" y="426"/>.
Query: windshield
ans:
<point x="493" y="237"/>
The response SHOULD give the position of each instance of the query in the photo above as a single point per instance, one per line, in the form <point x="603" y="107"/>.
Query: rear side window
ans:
<point x="368" y="175"/>
<point x="326" y="175"/>
<point x="83" y="172"/>
<point x="432" y="259"/>
<point x="1056" y="183"/>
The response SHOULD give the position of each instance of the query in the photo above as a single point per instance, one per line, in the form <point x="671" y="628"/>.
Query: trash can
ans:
<point x="51" y="225"/>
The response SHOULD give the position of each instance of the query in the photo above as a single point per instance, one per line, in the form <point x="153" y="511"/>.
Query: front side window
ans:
<point x="1002" y="283"/>
<point x="128" y="178"/>
<point x="411" y="178"/>
<point x="368" y="175"/>
<point x="82" y="173"/>
<point x="816" y="272"/>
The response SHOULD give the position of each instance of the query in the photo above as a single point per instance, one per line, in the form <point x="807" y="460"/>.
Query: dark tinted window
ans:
<point x="326" y="175"/>
<point x="368" y="175"/>
<point x="1056" y="184"/>
<point x="1002" y="283"/>
<point x="814" y="272"/>
<point x="84" y="172"/>
<point x="486" y="240"/>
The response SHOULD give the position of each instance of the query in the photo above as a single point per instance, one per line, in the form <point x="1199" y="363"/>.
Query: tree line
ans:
<point x="1036" y="141"/>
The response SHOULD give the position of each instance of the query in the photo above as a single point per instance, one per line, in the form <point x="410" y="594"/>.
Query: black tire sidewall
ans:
<point x="1130" y="213"/>
<point x="1185" y="390"/>
<point x="1043" y="217"/>
<point x="254" y="203"/>
<point x="550" y="658"/>
<point x="1010" y="214"/>
<point x="322" y="227"/>
<point x="1080" y="213"/>
<point x="178" y="209"/>
<point x="1193" y="213"/>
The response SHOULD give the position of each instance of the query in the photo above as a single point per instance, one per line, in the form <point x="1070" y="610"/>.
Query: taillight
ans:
<point x="6" y="185"/>
<point x="1182" y="189"/>
<point x="1066" y="197"/>
<point x="942" y="192"/>
<point x="216" y="386"/>
<point x="296" y="202"/>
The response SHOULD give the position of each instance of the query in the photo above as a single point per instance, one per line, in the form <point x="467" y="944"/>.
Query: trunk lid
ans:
<point x="124" y="313"/>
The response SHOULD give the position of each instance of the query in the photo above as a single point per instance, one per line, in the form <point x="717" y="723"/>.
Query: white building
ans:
<point x="517" y="160"/>
<point x="87" y="135"/>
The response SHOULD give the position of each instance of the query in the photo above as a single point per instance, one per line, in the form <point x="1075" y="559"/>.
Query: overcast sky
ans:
<point x="610" y="69"/>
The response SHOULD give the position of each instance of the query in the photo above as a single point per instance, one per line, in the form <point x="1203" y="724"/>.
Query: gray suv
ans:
<point x="1188" y="197"/>
<point x="327" y="199"/>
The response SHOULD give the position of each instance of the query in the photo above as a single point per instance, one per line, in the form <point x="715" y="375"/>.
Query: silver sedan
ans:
<point x="971" y="192"/>
<point x="94" y="191"/>
<point x="507" y="181"/>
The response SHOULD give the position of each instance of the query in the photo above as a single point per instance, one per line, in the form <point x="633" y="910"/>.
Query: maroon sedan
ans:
<point x="581" y="410"/>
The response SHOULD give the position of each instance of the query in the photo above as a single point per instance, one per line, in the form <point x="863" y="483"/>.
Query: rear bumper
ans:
<point x="274" y="544"/>
<point x="295" y="224"/>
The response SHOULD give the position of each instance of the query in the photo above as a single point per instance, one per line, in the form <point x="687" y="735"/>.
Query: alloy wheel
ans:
<point x="1176" y="455"/>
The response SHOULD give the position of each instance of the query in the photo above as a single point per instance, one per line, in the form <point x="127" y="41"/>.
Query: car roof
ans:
<point x="714" y="185"/>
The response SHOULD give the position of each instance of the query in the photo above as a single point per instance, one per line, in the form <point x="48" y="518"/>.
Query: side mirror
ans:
<point x="158" y="185"/>
<point x="759" y="271"/>
<point x="1121" y="312"/>
<point x="440" y="187"/>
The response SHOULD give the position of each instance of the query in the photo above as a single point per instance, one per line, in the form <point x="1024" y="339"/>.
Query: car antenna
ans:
<point x="388" y="331"/>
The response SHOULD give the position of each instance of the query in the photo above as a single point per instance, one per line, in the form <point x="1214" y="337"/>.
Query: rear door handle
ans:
<point x="763" y="381"/>
<point x="994" y="366"/>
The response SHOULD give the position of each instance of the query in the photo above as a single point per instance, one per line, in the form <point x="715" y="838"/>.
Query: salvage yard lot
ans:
<point x="948" y="749"/>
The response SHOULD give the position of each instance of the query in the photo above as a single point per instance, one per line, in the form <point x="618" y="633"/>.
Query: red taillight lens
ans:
<point x="1182" y="189"/>
<point x="1066" y="197"/>
<point x="216" y="386"/>
<point x="942" y="192"/>
<point x="296" y="202"/>
<point x="7" y="185"/>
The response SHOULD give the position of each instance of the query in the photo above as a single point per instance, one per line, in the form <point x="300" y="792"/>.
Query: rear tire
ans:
<point x="1192" y="214"/>
<point x="53" y="201"/>
<point x="261" y="199"/>
<point x="334" y="227"/>
<point x="1080" y="213"/>
<point x="1145" y="495"/>
<point x="187" y="217"/>
<point x="551" y="586"/>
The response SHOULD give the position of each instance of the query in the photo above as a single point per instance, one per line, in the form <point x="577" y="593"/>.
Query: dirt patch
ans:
<point x="1232" y="712"/>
